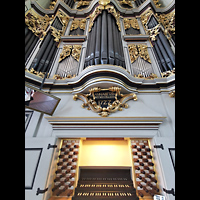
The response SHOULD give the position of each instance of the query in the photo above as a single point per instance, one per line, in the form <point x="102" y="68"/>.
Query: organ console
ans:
<point x="103" y="183"/>
<point x="145" y="179"/>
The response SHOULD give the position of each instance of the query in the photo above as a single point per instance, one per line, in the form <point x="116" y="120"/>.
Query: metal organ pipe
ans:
<point x="110" y="41"/>
<point x="167" y="47"/>
<point x="104" y="38"/>
<point x="162" y="48"/>
<point x="98" y="41"/>
<point x="44" y="57"/>
<point x="41" y="51"/>
<point x="104" y="42"/>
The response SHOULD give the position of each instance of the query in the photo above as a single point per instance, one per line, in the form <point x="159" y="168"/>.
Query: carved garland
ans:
<point x="118" y="103"/>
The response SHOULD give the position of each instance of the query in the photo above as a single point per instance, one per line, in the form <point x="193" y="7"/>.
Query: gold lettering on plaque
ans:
<point x="105" y="101"/>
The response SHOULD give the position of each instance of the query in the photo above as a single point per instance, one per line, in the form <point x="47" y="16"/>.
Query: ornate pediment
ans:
<point x="105" y="101"/>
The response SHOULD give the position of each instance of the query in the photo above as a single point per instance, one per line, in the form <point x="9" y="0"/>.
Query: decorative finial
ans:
<point x="104" y="2"/>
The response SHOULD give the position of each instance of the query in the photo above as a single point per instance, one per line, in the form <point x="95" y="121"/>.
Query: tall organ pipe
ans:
<point x="104" y="38"/>
<point x="41" y="51"/>
<point x="104" y="42"/>
<point x="98" y="41"/>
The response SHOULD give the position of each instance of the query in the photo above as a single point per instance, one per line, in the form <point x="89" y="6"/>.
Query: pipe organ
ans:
<point x="104" y="43"/>
<point x="118" y="58"/>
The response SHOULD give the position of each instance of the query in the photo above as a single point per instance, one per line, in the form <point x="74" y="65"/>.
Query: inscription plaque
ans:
<point x="105" y="101"/>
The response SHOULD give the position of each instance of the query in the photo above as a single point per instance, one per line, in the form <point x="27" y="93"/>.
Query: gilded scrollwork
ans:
<point x="92" y="16"/>
<point x="73" y="50"/>
<point x="99" y="9"/>
<point x="56" y="33"/>
<point x="145" y="17"/>
<point x="168" y="73"/>
<point x="126" y="2"/>
<point x="82" y="3"/>
<point x="131" y="22"/>
<point x="157" y="3"/>
<point x="115" y="13"/>
<point x="78" y="23"/>
<point x="66" y="51"/>
<point x="64" y="19"/>
<point x="138" y="50"/>
<point x="40" y="74"/>
<point x="52" y="4"/>
<point x="153" y="32"/>
<point x="151" y="76"/>
<point x="117" y="104"/>
<point x="37" y="24"/>
<point x="168" y="22"/>
<point x="104" y="2"/>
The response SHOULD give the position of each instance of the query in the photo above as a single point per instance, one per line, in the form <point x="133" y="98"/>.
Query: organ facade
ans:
<point x="99" y="99"/>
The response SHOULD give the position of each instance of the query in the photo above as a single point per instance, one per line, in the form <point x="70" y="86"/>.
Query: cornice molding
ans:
<point x="87" y="11"/>
<point x="108" y="123"/>
<point x="104" y="75"/>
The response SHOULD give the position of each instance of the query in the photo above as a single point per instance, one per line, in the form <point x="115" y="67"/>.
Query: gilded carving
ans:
<point x="157" y="4"/>
<point x="127" y="2"/>
<point x="104" y="2"/>
<point x="76" y="51"/>
<point x="110" y="101"/>
<point x="36" y="23"/>
<point x="64" y="19"/>
<point x="151" y="76"/>
<point x="138" y="50"/>
<point x="168" y="73"/>
<point x="145" y="16"/>
<point x="82" y="3"/>
<point x="131" y="22"/>
<point x="99" y="9"/>
<point x="78" y="23"/>
<point x="66" y="51"/>
<point x="172" y="94"/>
<point x="92" y="16"/>
<point x="73" y="50"/>
<point x="40" y="74"/>
<point x="144" y="19"/>
<point x="153" y="32"/>
<point x="115" y="13"/>
<point x="52" y="4"/>
<point x="56" y="33"/>
<point x="168" y="21"/>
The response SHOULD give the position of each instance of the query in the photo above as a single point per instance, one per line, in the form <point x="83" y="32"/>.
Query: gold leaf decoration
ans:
<point x="138" y="50"/>
<point x="116" y="104"/>
<point x="78" y="23"/>
<point x="73" y="50"/>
